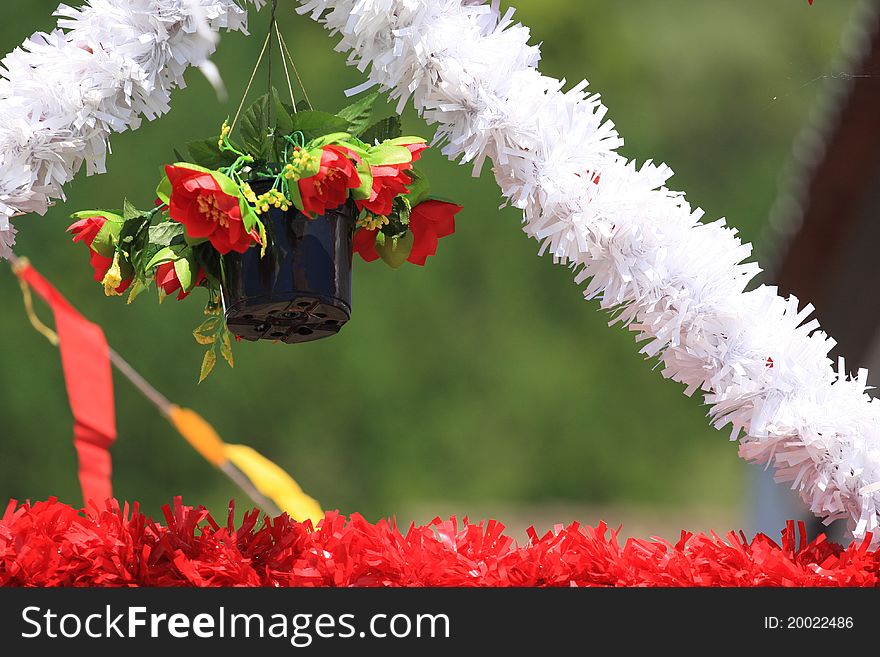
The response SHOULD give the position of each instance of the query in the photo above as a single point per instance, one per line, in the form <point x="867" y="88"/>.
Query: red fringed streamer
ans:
<point x="52" y="544"/>
<point x="85" y="357"/>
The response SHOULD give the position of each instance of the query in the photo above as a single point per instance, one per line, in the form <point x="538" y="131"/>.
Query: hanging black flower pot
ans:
<point x="301" y="289"/>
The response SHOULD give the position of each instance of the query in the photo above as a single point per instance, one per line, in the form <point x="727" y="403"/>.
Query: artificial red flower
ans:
<point x="199" y="203"/>
<point x="364" y="243"/>
<point x="85" y="231"/>
<point x="429" y="221"/>
<point x="328" y="189"/>
<point x="166" y="278"/>
<point x="389" y="182"/>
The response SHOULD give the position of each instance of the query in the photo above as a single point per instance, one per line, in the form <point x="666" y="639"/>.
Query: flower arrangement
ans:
<point x="288" y="164"/>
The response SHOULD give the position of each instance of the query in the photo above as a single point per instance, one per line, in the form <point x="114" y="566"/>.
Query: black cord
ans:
<point x="271" y="48"/>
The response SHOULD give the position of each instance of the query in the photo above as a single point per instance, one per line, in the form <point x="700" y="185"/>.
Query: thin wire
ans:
<point x="240" y="479"/>
<point x="295" y="71"/>
<point x="269" y="60"/>
<point x="158" y="400"/>
<point x="286" y="69"/>
<point x="251" y="81"/>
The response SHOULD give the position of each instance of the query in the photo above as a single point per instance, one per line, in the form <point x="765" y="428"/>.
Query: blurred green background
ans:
<point x="482" y="380"/>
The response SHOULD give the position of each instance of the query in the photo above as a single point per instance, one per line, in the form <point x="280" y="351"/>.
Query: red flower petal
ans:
<point x="364" y="244"/>
<point x="328" y="189"/>
<point x="428" y="222"/>
<point x="124" y="285"/>
<point x="416" y="150"/>
<point x="166" y="278"/>
<point x="189" y="191"/>
<point x="85" y="231"/>
<point x="100" y="265"/>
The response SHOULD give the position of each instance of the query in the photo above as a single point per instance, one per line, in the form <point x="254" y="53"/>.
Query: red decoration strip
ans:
<point x="52" y="544"/>
<point x="85" y="358"/>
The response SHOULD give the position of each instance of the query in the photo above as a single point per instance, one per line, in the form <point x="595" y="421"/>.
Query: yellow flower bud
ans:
<point x="113" y="278"/>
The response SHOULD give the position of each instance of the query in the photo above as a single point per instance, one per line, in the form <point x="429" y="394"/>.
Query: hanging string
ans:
<point x="272" y="27"/>
<point x="286" y="58"/>
<point x="295" y="71"/>
<point x="286" y="69"/>
<point x="251" y="81"/>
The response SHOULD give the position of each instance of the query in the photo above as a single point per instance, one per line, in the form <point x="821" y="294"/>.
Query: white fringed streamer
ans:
<point x="108" y="63"/>
<point x="637" y="246"/>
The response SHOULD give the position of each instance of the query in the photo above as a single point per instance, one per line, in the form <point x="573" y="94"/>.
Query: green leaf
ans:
<point x="207" y="153"/>
<point x="163" y="191"/>
<point x="194" y="241"/>
<point x="204" y="339"/>
<point x="420" y="189"/>
<point x="403" y="209"/>
<point x="165" y="254"/>
<point x="283" y="116"/>
<point x="326" y="140"/>
<point x="248" y="216"/>
<point x="395" y="250"/>
<point x="206" y="332"/>
<point x="355" y="145"/>
<point x="264" y="238"/>
<point x="184" y="274"/>
<point x="359" y="113"/>
<point x="109" y="216"/>
<point x="136" y="288"/>
<point x="107" y="238"/>
<point x="129" y="211"/>
<point x="383" y="130"/>
<point x="165" y="233"/>
<point x="387" y="154"/>
<point x="140" y="257"/>
<point x="264" y="123"/>
<point x="365" y="190"/>
<point x="402" y="141"/>
<point x="255" y="129"/>
<point x="207" y="364"/>
<point x="208" y="259"/>
<point x="226" y="347"/>
<point x="296" y="196"/>
<point x="133" y="237"/>
<point x="315" y="124"/>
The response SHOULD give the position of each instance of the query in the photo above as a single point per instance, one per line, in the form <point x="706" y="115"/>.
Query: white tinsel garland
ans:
<point x="636" y="245"/>
<point x="108" y="63"/>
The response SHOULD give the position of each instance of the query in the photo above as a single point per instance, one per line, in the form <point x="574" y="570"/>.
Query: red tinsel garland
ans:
<point x="52" y="544"/>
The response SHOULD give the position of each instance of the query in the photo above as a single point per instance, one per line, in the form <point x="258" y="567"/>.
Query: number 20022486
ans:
<point x="808" y="622"/>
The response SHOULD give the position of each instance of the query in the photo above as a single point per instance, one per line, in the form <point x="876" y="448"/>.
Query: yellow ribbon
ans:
<point x="268" y="478"/>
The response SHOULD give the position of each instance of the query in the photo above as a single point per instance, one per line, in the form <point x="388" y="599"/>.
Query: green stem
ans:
<point x="300" y="142"/>
<point x="232" y="171"/>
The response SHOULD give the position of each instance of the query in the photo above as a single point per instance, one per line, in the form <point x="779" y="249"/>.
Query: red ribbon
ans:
<point x="85" y="357"/>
